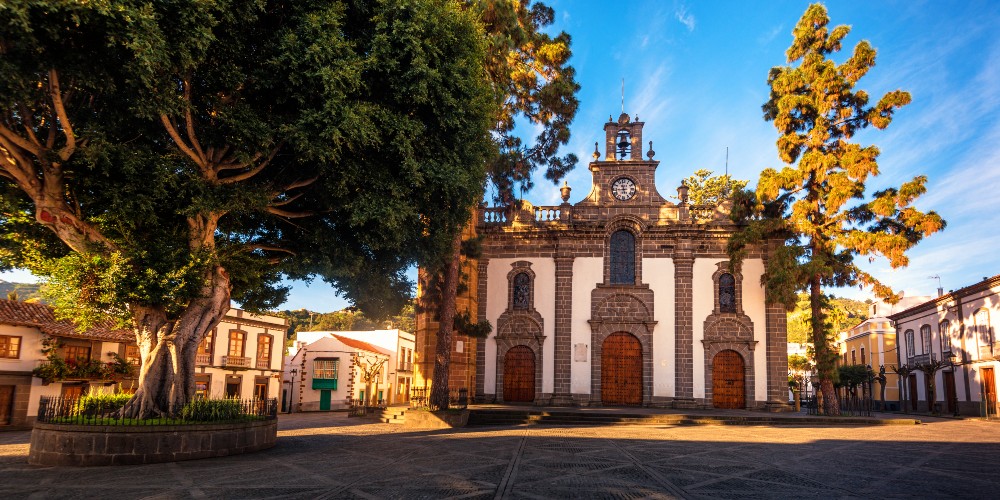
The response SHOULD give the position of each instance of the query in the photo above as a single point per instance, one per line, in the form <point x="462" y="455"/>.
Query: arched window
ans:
<point x="925" y="338"/>
<point x="622" y="258"/>
<point x="727" y="293"/>
<point x="983" y="327"/>
<point x="908" y="338"/>
<point x="522" y="291"/>
<point x="944" y="333"/>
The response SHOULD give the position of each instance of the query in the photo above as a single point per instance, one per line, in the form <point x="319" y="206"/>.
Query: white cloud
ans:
<point x="768" y="37"/>
<point x="685" y="17"/>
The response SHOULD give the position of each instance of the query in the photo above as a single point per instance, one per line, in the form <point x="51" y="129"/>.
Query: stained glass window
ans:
<point x="522" y="291"/>
<point x="622" y="258"/>
<point x="727" y="293"/>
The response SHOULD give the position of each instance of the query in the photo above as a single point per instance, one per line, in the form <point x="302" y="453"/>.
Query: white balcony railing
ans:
<point x="236" y="361"/>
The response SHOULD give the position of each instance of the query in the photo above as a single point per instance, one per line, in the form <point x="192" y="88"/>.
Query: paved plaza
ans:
<point x="328" y="455"/>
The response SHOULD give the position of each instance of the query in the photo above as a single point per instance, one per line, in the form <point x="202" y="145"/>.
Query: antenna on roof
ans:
<point x="727" y="160"/>
<point x="623" y="95"/>
<point x="938" y="278"/>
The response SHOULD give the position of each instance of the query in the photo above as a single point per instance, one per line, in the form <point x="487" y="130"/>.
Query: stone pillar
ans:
<point x="777" y="357"/>
<point x="563" y="330"/>
<point x="684" y="327"/>
<point x="481" y="344"/>
<point x="776" y="354"/>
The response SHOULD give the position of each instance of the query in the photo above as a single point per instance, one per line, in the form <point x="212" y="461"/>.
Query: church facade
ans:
<point x="624" y="298"/>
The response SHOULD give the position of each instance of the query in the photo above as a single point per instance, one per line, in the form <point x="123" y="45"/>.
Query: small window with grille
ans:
<point x="727" y="293"/>
<point x="522" y="291"/>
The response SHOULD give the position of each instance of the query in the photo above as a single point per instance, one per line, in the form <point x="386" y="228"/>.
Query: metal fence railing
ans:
<point x="88" y="410"/>
<point x="361" y="408"/>
<point x="420" y="398"/>
<point x="851" y="406"/>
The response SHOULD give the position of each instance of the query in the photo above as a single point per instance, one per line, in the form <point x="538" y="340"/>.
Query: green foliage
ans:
<point x="212" y="410"/>
<point x="707" y="189"/>
<point x="373" y="118"/>
<point x="56" y="368"/>
<point x="348" y="319"/>
<point x="475" y="329"/>
<point x="20" y="291"/>
<point x="816" y="204"/>
<point x="91" y="404"/>
<point x="532" y="80"/>
<point x="843" y="314"/>
<point x="852" y="375"/>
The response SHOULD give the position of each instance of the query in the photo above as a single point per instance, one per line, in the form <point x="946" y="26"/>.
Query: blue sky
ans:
<point x="696" y="73"/>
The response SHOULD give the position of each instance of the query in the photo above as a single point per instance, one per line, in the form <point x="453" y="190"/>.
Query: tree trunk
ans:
<point x="824" y="360"/>
<point x="168" y="349"/>
<point x="442" y="358"/>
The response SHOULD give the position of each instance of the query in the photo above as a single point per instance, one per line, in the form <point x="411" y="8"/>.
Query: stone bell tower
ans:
<point x="623" y="139"/>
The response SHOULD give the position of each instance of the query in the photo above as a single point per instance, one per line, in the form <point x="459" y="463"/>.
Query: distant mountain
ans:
<point x="24" y="291"/>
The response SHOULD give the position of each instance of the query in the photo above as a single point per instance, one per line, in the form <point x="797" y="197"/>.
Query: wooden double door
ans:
<point x="621" y="370"/>
<point x="519" y="375"/>
<point x="728" y="380"/>
<point x="6" y="403"/>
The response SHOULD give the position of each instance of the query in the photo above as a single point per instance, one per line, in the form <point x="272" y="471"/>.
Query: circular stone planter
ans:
<point x="85" y="445"/>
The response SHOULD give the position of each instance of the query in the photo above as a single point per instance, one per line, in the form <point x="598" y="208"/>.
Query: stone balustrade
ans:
<point x="236" y="361"/>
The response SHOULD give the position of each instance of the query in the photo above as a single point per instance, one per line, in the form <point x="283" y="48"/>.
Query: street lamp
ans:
<point x="291" y="389"/>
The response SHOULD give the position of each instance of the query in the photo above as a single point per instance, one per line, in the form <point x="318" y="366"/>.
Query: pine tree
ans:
<point x="817" y="203"/>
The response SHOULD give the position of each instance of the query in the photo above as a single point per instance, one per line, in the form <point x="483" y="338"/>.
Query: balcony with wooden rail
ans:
<point x="203" y="359"/>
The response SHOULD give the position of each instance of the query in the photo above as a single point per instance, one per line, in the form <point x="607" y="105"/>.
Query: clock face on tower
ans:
<point x="623" y="189"/>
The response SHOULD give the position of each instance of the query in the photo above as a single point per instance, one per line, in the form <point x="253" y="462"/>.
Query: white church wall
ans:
<point x="753" y="306"/>
<point x="587" y="272"/>
<point x="545" y="303"/>
<point x="703" y="302"/>
<point x="659" y="274"/>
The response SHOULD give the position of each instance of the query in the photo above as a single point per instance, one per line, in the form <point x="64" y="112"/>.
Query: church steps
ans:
<point x="534" y="417"/>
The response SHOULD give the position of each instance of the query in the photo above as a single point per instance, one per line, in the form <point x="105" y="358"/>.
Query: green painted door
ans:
<point x="324" y="400"/>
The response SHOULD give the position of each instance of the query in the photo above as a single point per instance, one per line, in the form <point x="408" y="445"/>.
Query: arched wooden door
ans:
<point x="519" y="375"/>
<point x="621" y="370"/>
<point x="728" y="380"/>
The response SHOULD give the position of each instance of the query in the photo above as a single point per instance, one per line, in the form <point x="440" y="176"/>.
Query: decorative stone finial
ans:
<point x="682" y="193"/>
<point x="623" y="119"/>
<point x="564" y="191"/>
<point x="650" y="153"/>
<point x="597" y="154"/>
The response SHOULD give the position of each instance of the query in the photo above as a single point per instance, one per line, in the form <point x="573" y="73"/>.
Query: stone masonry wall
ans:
<point x="88" y="445"/>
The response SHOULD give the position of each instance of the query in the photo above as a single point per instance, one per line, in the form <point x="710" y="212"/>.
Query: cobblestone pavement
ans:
<point x="332" y="456"/>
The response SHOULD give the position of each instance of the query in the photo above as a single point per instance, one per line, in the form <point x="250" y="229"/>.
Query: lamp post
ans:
<point x="295" y="371"/>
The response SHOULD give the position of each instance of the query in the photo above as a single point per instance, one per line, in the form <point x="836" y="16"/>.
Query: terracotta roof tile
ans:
<point x="41" y="316"/>
<point x="359" y="344"/>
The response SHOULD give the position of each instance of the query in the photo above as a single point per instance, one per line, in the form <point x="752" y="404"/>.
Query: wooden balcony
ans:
<point x="236" y="362"/>
<point x="203" y="358"/>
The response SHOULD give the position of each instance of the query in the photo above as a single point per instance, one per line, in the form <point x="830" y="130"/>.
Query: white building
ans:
<point x="959" y="328"/>
<point x="24" y="327"/>
<point x="242" y="357"/>
<point x="224" y="367"/>
<point x="326" y="370"/>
